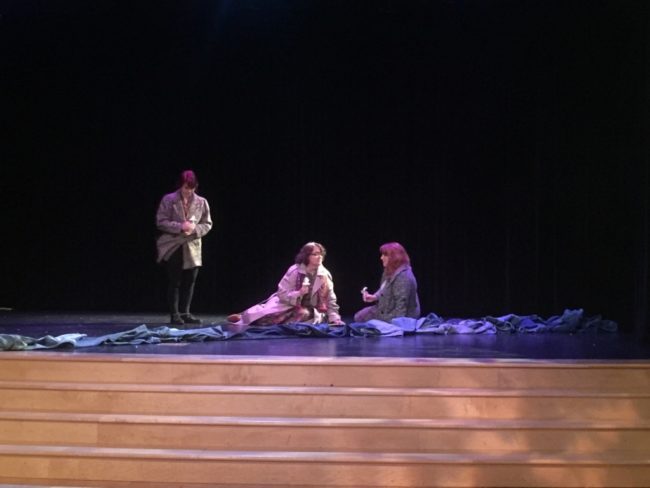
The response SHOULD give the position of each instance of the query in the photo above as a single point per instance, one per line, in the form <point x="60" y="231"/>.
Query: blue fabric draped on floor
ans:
<point x="571" y="321"/>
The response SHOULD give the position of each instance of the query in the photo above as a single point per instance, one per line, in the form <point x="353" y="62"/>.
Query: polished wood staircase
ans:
<point x="111" y="420"/>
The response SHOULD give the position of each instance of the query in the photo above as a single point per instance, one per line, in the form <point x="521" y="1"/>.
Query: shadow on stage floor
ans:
<point x="590" y="345"/>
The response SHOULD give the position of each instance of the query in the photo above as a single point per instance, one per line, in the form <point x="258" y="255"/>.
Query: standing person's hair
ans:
<point x="188" y="178"/>
<point x="303" y="255"/>
<point x="397" y="256"/>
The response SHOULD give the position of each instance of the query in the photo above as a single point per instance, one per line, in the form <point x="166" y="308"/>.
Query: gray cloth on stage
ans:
<point x="571" y="321"/>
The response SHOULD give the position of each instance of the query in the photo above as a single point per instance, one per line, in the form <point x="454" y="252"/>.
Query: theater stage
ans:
<point x="421" y="410"/>
<point x="590" y="345"/>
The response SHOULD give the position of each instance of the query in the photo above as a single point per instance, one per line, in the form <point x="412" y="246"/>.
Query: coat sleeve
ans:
<point x="287" y="292"/>
<point x="165" y="220"/>
<point x="332" y="305"/>
<point x="401" y="290"/>
<point x="204" y="224"/>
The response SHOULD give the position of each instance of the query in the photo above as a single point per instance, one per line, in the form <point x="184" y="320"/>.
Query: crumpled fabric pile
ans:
<point x="571" y="321"/>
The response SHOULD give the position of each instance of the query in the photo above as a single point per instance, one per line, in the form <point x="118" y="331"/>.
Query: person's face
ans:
<point x="315" y="257"/>
<point x="384" y="259"/>
<point x="187" y="192"/>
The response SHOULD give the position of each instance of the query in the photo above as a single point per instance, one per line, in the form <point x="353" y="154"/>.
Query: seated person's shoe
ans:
<point x="176" y="319"/>
<point x="233" y="317"/>
<point x="338" y="323"/>
<point x="188" y="318"/>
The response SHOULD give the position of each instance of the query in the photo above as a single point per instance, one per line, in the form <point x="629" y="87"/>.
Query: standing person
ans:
<point x="183" y="218"/>
<point x="398" y="292"/>
<point x="305" y="294"/>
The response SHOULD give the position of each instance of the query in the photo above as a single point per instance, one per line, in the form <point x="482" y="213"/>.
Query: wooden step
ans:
<point x="323" y="371"/>
<point x="312" y="434"/>
<point x="335" y="469"/>
<point x="74" y="419"/>
<point x="347" y="402"/>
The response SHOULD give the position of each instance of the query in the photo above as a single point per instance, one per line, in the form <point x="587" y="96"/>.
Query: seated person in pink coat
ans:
<point x="305" y="294"/>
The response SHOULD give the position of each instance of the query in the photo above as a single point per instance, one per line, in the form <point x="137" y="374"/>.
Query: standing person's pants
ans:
<point x="180" y="286"/>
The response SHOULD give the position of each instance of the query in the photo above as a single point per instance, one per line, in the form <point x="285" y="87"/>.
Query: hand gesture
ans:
<point x="367" y="297"/>
<point x="188" y="227"/>
<point x="304" y="289"/>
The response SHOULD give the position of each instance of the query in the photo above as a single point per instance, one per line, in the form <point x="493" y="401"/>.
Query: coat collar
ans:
<point x="320" y="271"/>
<point x="178" y="203"/>
<point x="399" y="270"/>
<point x="179" y="198"/>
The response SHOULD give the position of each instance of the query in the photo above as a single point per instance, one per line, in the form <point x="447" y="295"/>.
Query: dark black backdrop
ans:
<point x="504" y="143"/>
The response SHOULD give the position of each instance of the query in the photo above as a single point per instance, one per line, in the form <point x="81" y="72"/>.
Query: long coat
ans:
<point x="170" y="218"/>
<point x="288" y="296"/>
